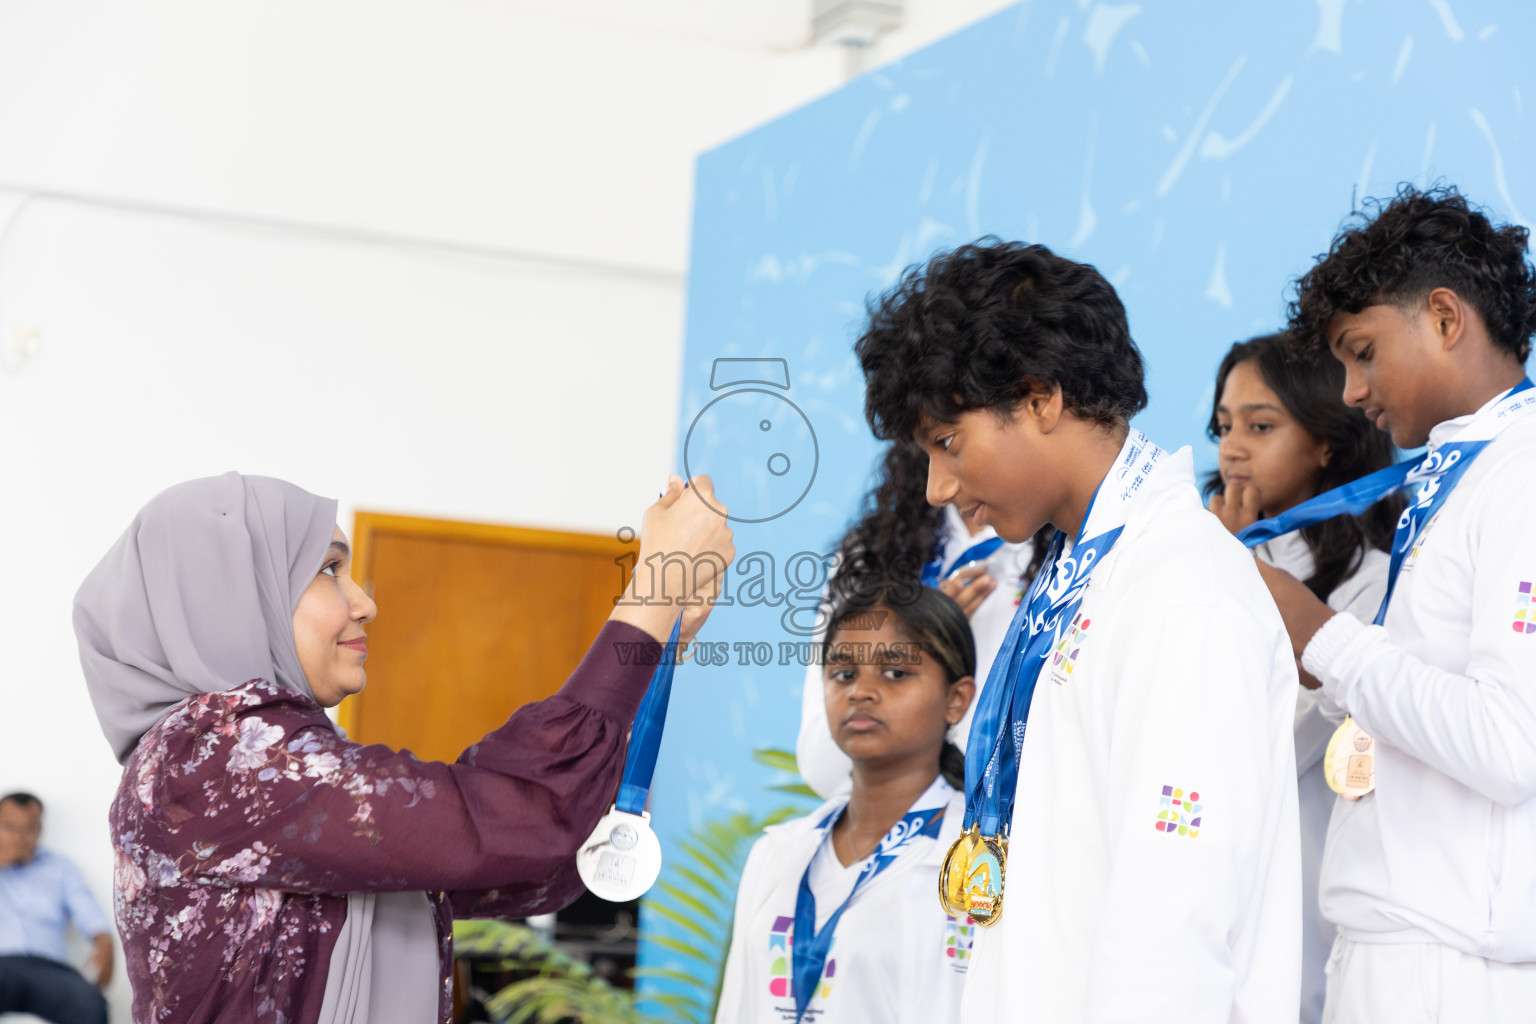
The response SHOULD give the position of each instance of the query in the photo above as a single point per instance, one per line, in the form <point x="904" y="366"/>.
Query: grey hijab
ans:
<point x="198" y="596"/>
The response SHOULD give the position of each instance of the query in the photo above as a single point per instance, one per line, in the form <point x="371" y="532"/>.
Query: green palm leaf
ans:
<point x="699" y="896"/>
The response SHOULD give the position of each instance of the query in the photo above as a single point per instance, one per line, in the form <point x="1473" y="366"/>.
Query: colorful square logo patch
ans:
<point x="959" y="937"/>
<point x="1525" y="610"/>
<point x="1064" y="657"/>
<point x="1180" y="813"/>
<point x="781" y="943"/>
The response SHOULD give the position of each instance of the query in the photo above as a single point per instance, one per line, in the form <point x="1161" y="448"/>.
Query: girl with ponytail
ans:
<point x="898" y="672"/>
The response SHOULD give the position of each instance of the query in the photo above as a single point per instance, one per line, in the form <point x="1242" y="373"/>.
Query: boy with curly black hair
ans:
<point x="1144" y="828"/>
<point x="1431" y="874"/>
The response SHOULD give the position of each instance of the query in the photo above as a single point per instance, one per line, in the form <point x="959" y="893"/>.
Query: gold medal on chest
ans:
<point x="984" y="876"/>
<point x="953" y="874"/>
<point x="1349" y="762"/>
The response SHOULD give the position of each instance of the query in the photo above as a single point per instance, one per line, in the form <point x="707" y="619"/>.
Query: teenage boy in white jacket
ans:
<point x="1431" y="877"/>
<point x="1152" y="866"/>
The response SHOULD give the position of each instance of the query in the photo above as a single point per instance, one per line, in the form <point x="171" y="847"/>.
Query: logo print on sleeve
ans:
<point x="1180" y="814"/>
<point x="1525" y="610"/>
<point x="781" y="943"/>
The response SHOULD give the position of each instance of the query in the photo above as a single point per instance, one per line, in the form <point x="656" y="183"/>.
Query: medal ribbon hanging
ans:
<point x="621" y="860"/>
<point x="997" y="730"/>
<point x="935" y="572"/>
<point x="811" y="948"/>
<point x="1435" y="473"/>
<point x="645" y="737"/>
<point x="1348" y="761"/>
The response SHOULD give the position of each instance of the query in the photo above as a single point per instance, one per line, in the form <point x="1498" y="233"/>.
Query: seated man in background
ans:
<point x="41" y="894"/>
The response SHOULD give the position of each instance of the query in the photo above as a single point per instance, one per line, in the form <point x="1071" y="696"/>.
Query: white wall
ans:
<point x="538" y="391"/>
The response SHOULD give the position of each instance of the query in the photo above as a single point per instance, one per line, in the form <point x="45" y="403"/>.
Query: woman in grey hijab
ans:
<point x="268" y="869"/>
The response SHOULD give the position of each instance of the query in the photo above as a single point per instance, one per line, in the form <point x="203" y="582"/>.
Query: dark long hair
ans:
<point x="1309" y="388"/>
<point x="932" y="620"/>
<point x="897" y="532"/>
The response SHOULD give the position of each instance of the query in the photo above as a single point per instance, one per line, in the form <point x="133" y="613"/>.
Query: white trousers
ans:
<point x="1424" y="983"/>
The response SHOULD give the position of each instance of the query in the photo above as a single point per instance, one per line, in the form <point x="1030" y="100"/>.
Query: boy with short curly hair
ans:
<point x="1145" y="852"/>
<point x="1431" y="877"/>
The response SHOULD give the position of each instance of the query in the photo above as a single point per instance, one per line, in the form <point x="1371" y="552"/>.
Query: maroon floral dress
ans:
<point x="243" y="816"/>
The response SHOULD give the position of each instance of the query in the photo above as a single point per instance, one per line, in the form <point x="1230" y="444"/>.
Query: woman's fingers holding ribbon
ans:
<point x="685" y="541"/>
<point x="685" y="546"/>
<point x="694" y="615"/>
<point x="969" y="587"/>
<point x="1237" y="507"/>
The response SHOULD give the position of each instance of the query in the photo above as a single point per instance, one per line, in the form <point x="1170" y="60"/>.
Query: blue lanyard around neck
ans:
<point x="645" y="738"/>
<point x="996" y="742"/>
<point x="992" y="752"/>
<point x="936" y="572"/>
<point x="811" y="947"/>
<point x="1435" y="473"/>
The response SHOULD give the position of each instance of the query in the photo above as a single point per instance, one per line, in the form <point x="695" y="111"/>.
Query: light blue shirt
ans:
<point x="39" y="900"/>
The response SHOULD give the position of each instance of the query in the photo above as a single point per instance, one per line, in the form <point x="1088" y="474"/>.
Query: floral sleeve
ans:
<point x="253" y="787"/>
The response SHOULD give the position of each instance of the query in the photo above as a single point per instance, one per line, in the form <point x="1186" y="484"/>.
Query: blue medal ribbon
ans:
<point x="645" y="737"/>
<point x="1435" y="473"/>
<point x="997" y="730"/>
<point x="811" y="947"/>
<point x="935" y="572"/>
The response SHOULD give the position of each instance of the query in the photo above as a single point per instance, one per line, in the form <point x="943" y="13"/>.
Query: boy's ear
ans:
<point x="1448" y="315"/>
<point x="1043" y="405"/>
<point x="960" y="693"/>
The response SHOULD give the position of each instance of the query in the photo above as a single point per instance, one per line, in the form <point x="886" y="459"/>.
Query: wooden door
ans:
<point x="474" y="621"/>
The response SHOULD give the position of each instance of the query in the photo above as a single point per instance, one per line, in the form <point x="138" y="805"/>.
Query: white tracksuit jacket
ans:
<point x="1180" y="701"/>
<point x="1444" y="850"/>
<point x="899" y="959"/>
<point x="1360" y="595"/>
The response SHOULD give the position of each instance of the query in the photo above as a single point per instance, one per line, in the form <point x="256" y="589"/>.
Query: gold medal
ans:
<point x="1349" y="762"/>
<point x="952" y="875"/>
<point x="984" y="878"/>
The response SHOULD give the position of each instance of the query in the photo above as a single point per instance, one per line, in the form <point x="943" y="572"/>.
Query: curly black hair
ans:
<point x="983" y="326"/>
<point x="897" y="531"/>
<point x="1414" y="243"/>
<point x="1310" y="389"/>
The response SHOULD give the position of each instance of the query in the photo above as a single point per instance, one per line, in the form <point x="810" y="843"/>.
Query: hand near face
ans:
<point x="1237" y="507"/>
<point x="969" y="587"/>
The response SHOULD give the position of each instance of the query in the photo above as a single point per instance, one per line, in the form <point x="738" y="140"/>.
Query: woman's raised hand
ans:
<point x="685" y="547"/>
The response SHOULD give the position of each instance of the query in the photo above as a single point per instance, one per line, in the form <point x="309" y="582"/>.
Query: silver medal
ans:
<point x="622" y="858"/>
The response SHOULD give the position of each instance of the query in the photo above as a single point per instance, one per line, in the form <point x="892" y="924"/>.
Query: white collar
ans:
<point x="1290" y="552"/>
<point x="938" y="792"/>
<point x="1450" y="430"/>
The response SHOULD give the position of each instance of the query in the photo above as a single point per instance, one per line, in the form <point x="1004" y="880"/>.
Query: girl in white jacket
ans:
<point x="1285" y="436"/>
<point x="837" y="916"/>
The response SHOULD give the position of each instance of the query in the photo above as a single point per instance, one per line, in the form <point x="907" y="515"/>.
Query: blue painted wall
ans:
<point x="1200" y="154"/>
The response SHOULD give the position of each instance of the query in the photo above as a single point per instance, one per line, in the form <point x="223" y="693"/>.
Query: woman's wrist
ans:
<point x="655" y="619"/>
